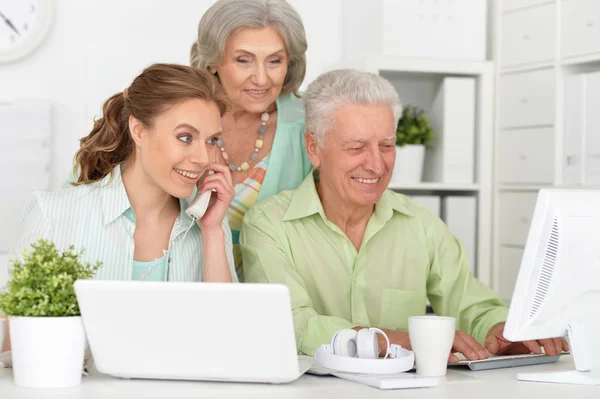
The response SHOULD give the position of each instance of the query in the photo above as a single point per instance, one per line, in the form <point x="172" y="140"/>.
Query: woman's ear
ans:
<point x="136" y="129"/>
<point x="312" y="149"/>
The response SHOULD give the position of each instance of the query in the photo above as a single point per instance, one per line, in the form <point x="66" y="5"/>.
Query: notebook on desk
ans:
<point x="390" y="381"/>
<point x="381" y="381"/>
<point x="191" y="331"/>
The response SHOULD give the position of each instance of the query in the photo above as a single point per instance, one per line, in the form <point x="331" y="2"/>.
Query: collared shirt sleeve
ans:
<point x="229" y="249"/>
<point x="268" y="260"/>
<point x="33" y="226"/>
<point x="453" y="290"/>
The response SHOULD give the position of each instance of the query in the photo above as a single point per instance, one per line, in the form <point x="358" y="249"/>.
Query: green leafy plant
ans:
<point x="42" y="285"/>
<point x="413" y="127"/>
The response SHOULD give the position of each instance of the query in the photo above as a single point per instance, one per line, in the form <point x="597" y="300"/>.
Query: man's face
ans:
<point x="357" y="158"/>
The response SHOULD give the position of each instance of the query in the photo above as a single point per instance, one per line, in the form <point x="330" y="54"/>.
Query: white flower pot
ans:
<point x="408" y="168"/>
<point x="47" y="352"/>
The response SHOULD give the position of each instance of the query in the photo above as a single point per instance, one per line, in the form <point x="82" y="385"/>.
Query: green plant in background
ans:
<point x="43" y="284"/>
<point x="413" y="127"/>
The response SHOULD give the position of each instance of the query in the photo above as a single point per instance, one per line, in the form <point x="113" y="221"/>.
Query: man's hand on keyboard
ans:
<point x="496" y="344"/>
<point x="468" y="346"/>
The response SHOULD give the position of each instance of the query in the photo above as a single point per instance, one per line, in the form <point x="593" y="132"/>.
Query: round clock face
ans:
<point x="23" y="26"/>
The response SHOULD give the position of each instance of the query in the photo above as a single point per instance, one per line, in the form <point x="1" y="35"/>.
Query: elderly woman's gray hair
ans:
<point x="226" y="17"/>
<point x="345" y="86"/>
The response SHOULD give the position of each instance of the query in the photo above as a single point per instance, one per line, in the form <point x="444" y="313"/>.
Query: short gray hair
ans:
<point x="225" y="17"/>
<point x="345" y="86"/>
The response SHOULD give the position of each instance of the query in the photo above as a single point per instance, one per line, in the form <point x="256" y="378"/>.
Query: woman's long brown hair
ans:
<point x="156" y="89"/>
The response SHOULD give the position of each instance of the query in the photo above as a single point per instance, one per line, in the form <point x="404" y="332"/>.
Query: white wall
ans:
<point x="95" y="48"/>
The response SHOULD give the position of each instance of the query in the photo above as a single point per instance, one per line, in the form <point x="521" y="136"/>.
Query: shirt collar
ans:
<point x="306" y="202"/>
<point x="391" y="201"/>
<point x="115" y="201"/>
<point x="114" y="197"/>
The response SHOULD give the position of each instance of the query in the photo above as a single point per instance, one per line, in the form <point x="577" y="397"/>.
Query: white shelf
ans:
<point x="523" y="187"/>
<point x="578" y="186"/>
<point x="435" y="187"/>
<point x="582" y="59"/>
<point x="527" y="67"/>
<point x="414" y="65"/>
<point x="524" y="7"/>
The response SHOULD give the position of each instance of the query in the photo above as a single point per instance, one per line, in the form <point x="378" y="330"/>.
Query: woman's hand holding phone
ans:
<point x="221" y="185"/>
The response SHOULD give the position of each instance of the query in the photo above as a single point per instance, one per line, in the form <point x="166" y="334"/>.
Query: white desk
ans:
<point x="463" y="384"/>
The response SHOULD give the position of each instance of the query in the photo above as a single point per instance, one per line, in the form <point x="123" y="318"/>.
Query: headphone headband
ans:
<point x="346" y="344"/>
<point x="400" y="360"/>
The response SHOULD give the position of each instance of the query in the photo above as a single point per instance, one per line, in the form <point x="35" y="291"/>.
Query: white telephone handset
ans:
<point x="196" y="209"/>
<point x="198" y="206"/>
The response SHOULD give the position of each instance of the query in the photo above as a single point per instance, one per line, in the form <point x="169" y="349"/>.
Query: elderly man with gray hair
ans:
<point x="355" y="254"/>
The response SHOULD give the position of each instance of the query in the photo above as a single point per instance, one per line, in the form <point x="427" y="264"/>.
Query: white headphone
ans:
<point x="358" y="352"/>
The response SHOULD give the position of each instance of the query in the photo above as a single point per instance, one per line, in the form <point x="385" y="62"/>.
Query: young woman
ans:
<point x="152" y="147"/>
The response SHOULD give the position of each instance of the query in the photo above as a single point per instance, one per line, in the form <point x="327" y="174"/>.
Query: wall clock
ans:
<point x="24" y="24"/>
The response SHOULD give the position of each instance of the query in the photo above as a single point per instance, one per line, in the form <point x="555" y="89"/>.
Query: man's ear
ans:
<point x="312" y="149"/>
<point x="136" y="129"/>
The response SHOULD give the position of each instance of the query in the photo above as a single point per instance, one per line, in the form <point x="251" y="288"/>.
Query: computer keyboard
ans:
<point x="496" y="362"/>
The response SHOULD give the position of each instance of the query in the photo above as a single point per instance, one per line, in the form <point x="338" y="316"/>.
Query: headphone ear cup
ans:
<point x="366" y="343"/>
<point x="343" y="343"/>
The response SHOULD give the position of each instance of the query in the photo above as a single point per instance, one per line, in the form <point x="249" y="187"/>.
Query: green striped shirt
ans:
<point x="93" y="217"/>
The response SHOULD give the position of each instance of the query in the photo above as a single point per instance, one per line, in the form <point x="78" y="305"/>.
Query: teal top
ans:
<point x="288" y="160"/>
<point x="154" y="270"/>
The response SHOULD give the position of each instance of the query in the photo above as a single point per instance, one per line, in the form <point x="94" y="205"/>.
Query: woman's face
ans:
<point x="175" y="151"/>
<point x="253" y="68"/>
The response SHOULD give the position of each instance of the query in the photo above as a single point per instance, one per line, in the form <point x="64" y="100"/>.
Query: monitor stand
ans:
<point x="585" y="349"/>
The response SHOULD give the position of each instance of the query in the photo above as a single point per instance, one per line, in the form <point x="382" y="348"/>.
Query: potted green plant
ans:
<point x="413" y="134"/>
<point x="46" y="331"/>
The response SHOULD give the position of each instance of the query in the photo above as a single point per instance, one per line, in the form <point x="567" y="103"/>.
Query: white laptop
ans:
<point x="191" y="331"/>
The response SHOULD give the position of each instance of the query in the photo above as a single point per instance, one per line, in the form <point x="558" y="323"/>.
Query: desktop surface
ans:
<point x="459" y="383"/>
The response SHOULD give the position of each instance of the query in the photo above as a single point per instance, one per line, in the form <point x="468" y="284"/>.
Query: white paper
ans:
<point x="451" y="157"/>
<point x="460" y="215"/>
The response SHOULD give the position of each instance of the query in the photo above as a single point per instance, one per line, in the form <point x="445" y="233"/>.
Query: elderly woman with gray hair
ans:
<point x="257" y="50"/>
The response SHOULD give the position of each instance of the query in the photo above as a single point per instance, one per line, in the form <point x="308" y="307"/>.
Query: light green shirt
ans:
<point x="407" y="255"/>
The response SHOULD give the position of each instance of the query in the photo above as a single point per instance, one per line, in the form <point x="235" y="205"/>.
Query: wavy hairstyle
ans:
<point x="226" y="17"/>
<point x="154" y="91"/>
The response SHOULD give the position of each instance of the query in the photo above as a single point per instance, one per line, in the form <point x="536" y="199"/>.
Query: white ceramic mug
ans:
<point x="431" y="338"/>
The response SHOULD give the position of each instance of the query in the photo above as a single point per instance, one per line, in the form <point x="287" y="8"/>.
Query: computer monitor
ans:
<point x="557" y="292"/>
